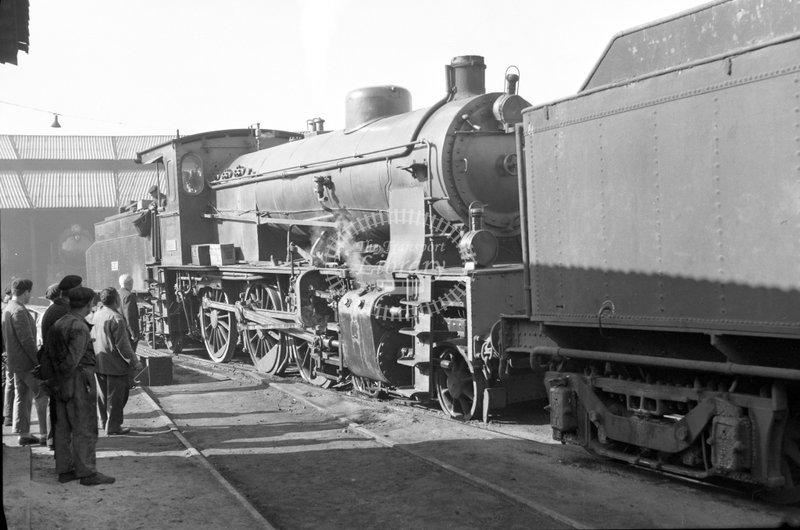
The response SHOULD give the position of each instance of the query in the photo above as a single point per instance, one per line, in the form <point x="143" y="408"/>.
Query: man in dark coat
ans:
<point x="68" y="346"/>
<point x="115" y="362"/>
<point x="129" y="308"/>
<point x="55" y="311"/>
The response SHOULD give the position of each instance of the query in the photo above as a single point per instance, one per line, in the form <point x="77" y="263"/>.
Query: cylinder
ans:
<point x="365" y="105"/>
<point x="470" y="76"/>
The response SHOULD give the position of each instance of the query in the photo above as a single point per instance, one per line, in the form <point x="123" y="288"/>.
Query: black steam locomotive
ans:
<point x="635" y="247"/>
<point x="383" y="253"/>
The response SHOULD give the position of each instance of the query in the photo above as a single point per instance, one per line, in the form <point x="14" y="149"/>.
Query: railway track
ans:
<point x="237" y="370"/>
<point x="367" y="418"/>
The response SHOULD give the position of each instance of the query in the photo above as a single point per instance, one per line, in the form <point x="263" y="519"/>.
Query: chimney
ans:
<point x="470" y="76"/>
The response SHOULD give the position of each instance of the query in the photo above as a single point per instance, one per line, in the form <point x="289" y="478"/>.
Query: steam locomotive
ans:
<point x="381" y="254"/>
<point x="630" y="252"/>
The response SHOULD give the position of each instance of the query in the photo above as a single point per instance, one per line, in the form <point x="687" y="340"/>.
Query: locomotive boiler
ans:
<point x="382" y="253"/>
<point x="661" y="232"/>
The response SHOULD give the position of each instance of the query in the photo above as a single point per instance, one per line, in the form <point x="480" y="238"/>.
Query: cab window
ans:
<point x="191" y="174"/>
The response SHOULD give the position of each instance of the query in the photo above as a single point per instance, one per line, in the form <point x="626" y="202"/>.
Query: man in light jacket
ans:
<point x="129" y="308"/>
<point x="19" y="335"/>
<point x="115" y="360"/>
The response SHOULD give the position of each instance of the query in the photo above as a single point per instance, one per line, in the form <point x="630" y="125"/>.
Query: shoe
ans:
<point x="67" y="477"/>
<point x="97" y="479"/>
<point x="28" y="440"/>
<point x="123" y="430"/>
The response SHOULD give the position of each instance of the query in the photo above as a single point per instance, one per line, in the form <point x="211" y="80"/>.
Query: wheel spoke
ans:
<point x="459" y="389"/>
<point x="266" y="347"/>
<point x="216" y="326"/>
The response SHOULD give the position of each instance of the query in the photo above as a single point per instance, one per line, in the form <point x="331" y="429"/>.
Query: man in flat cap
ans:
<point x="52" y="293"/>
<point x="75" y="389"/>
<point x="159" y="198"/>
<point x="19" y="335"/>
<point x="55" y="311"/>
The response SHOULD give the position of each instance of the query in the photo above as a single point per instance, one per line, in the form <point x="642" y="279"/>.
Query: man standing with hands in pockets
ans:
<point x="115" y="361"/>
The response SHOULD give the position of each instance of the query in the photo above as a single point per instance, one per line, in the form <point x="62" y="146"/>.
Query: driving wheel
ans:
<point x="218" y="327"/>
<point x="269" y="353"/>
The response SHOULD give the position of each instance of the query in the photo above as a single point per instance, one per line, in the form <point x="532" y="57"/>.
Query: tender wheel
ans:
<point x="301" y="352"/>
<point x="459" y="389"/>
<point x="218" y="327"/>
<point x="269" y="353"/>
<point x="368" y="387"/>
<point x="790" y="466"/>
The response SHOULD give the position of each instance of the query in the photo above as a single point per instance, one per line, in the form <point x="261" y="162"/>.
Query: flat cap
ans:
<point x="80" y="296"/>
<point x="153" y="189"/>
<point x="69" y="281"/>
<point x="52" y="292"/>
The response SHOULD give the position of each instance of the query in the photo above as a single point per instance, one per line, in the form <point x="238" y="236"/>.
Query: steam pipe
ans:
<point x="726" y="368"/>
<point x="355" y="160"/>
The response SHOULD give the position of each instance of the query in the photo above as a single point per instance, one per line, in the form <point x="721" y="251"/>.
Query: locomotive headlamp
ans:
<point x="478" y="247"/>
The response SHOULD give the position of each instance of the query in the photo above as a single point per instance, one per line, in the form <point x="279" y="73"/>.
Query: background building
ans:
<point x="52" y="191"/>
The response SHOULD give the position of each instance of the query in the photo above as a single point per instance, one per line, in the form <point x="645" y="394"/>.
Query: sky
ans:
<point x="157" y="66"/>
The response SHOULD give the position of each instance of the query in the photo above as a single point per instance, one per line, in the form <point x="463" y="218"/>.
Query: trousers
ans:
<point x="112" y="396"/>
<point x="76" y="428"/>
<point x="8" y="396"/>
<point x="29" y="389"/>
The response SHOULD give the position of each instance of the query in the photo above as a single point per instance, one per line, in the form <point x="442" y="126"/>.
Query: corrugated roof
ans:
<point x="134" y="183"/>
<point x="128" y="146"/>
<point x="7" y="151"/>
<point x="65" y="147"/>
<point x="12" y="192"/>
<point x="71" y="189"/>
<point x="43" y="147"/>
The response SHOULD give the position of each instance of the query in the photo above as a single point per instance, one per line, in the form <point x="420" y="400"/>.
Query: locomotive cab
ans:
<point x="186" y="163"/>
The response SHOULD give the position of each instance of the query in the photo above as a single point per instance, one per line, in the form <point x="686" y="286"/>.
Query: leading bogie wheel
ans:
<point x="459" y="388"/>
<point x="267" y="350"/>
<point x="301" y="353"/>
<point x="218" y="327"/>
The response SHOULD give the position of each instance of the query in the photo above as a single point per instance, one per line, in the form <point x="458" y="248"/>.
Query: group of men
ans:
<point x="84" y="371"/>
